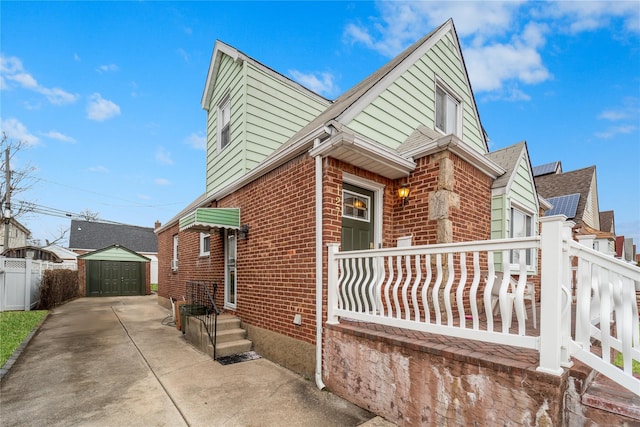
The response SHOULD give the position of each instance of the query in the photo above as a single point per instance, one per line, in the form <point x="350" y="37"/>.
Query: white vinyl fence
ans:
<point x="20" y="280"/>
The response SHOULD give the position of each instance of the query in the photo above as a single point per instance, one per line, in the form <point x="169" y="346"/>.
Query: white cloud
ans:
<point x="403" y="22"/>
<point x="17" y="131"/>
<point x="101" y="109"/>
<point x="613" y="115"/>
<point x="197" y="141"/>
<point x="162" y="181"/>
<point x="98" y="169"/>
<point x="163" y="156"/>
<point x="490" y="66"/>
<point x="107" y="68"/>
<point x="53" y="134"/>
<point x="183" y="54"/>
<point x="13" y="71"/>
<point x="580" y="16"/>
<point x="321" y="82"/>
<point x="628" y="109"/>
<point x="616" y="130"/>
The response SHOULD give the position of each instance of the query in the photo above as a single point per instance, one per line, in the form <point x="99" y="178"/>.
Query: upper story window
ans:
<point x="224" y="123"/>
<point x="521" y="226"/>
<point x="448" y="112"/>
<point x="205" y="244"/>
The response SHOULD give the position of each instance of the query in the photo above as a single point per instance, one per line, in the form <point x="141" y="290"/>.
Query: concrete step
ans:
<point x="608" y="397"/>
<point x="227" y="335"/>
<point x="227" y="321"/>
<point x="230" y="347"/>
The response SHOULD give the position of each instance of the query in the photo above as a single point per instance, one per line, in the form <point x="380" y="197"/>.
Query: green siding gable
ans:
<point x="410" y="100"/>
<point x="266" y="110"/>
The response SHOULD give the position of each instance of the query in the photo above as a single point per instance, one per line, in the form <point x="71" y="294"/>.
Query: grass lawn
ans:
<point x="635" y="367"/>
<point x="154" y="287"/>
<point x="14" y="328"/>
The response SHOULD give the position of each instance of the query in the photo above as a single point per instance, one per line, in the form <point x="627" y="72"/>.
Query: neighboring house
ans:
<point x="18" y="235"/>
<point x="401" y="158"/>
<point x="32" y="252"/>
<point x="515" y="205"/>
<point x="608" y="225"/>
<point x="573" y="194"/>
<point x="88" y="236"/>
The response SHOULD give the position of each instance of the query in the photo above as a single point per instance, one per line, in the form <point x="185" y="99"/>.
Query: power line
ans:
<point x="49" y="211"/>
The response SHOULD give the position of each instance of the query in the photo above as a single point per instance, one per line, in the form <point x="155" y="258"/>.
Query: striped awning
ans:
<point x="205" y="219"/>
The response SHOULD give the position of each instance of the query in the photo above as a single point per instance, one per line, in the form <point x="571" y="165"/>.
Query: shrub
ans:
<point x="57" y="287"/>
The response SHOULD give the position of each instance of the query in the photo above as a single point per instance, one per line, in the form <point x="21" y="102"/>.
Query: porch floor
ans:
<point x="496" y="356"/>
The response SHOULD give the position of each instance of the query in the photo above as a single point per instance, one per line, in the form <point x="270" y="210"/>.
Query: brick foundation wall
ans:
<point x="414" y="382"/>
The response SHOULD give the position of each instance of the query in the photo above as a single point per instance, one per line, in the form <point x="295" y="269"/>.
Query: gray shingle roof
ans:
<point x="508" y="158"/>
<point x="607" y="222"/>
<point x="97" y="235"/>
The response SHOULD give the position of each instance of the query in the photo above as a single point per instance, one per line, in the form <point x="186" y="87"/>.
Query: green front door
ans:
<point x="357" y="234"/>
<point x="357" y="218"/>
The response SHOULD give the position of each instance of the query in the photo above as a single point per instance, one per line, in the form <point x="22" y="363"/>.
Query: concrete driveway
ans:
<point x="111" y="362"/>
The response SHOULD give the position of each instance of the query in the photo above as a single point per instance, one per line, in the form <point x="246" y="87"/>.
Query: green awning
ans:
<point x="204" y="219"/>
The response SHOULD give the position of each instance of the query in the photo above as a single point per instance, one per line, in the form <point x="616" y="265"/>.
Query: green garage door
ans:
<point x="115" y="278"/>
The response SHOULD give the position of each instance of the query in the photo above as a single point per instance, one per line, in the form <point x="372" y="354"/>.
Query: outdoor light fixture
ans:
<point x="243" y="232"/>
<point x="403" y="193"/>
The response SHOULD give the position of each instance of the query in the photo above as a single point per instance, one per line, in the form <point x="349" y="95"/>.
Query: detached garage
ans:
<point x="114" y="271"/>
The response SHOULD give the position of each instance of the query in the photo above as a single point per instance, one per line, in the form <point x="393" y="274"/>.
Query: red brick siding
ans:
<point x="276" y="263"/>
<point x="413" y="218"/>
<point x="473" y="220"/>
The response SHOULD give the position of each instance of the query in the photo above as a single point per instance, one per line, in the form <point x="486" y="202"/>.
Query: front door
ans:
<point x="358" y="233"/>
<point x="357" y="218"/>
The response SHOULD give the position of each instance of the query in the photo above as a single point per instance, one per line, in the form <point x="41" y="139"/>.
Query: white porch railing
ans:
<point x="449" y="289"/>
<point x="606" y="314"/>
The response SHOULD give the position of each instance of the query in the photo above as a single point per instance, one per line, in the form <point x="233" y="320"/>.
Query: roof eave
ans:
<point x="460" y="148"/>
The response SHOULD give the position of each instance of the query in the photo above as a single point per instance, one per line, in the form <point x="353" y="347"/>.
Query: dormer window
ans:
<point x="224" y="123"/>
<point x="448" y="117"/>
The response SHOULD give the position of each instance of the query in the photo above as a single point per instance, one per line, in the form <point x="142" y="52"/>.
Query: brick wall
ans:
<point x="276" y="263"/>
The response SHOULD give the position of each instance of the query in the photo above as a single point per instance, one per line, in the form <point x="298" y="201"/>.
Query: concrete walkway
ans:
<point x="111" y="362"/>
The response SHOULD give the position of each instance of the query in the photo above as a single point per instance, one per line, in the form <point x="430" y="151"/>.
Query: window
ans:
<point x="355" y="206"/>
<point x="205" y="244"/>
<point x="224" y="124"/>
<point x="447" y="112"/>
<point x="521" y="226"/>
<point x="174" y="260"/>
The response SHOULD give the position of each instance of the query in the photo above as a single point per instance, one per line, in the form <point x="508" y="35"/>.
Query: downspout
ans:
<point x="319" y="383"/>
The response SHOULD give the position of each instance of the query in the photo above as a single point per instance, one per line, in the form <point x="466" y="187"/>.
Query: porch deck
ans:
<point x="496" y="356"/>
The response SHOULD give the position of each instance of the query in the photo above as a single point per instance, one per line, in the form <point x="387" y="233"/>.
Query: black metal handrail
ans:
<point x="200" y="303"/>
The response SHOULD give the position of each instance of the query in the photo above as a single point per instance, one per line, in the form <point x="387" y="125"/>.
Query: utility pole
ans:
<point x="7" y="204"/>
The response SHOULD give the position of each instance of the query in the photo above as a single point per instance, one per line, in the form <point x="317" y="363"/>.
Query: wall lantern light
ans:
<point x="243" y="232"/>
<point x="403" y="193"/>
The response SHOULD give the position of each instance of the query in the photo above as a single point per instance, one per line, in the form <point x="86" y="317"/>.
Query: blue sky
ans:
<point x="106" y="95"/>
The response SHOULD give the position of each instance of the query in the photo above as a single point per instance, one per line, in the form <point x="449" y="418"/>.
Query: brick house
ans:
<point x="289" y="171"/>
